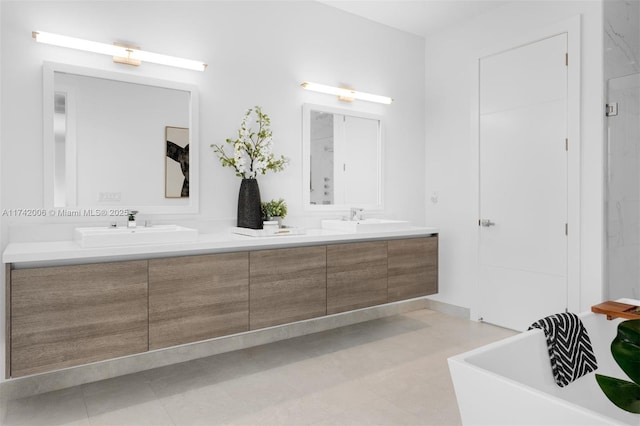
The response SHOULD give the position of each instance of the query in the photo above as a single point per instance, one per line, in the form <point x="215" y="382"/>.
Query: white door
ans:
<point x="523" y="184"/>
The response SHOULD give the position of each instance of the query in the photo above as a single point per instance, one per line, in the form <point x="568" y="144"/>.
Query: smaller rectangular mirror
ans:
<point x="342" y="159"/>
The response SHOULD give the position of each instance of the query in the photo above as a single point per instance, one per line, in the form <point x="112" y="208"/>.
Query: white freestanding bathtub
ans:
<point x="510" y="382"/>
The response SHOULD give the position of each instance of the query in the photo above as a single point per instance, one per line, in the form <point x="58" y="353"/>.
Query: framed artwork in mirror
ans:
<point x="176" y="162"/>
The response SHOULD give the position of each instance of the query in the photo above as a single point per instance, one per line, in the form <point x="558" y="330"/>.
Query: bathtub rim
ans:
<point x="461" y="360"/>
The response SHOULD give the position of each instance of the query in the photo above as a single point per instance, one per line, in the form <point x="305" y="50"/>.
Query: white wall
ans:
<point x="3" y="229"/>
<point x="450" y="160"/>
<point x="258" y="54"/>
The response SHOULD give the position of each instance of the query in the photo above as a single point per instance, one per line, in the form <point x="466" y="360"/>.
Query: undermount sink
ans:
<point x="365" y="225"/>
<point x="121" y="236"/>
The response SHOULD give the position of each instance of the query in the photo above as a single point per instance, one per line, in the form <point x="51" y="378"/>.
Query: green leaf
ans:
<point x="252" y="146"/>
<point x="626" y="348"/>
<point x="625" y="395"/>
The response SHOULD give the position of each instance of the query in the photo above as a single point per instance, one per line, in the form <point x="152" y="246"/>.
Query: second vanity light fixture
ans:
<point x="345" y="94"/>
<point x="123" y="54"/>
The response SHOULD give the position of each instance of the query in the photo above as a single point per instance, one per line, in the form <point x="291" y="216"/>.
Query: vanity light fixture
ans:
<point x="130" y="55"/>
<point x="345" y="94"/>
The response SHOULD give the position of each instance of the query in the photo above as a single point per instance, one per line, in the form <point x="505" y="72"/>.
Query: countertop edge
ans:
<point x="66" y="251"/>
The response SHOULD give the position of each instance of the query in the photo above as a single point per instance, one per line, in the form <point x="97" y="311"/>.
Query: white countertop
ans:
<point x="66" y="252"/>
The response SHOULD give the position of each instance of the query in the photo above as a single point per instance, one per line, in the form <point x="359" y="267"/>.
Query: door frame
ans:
<point x="572" y="28"/>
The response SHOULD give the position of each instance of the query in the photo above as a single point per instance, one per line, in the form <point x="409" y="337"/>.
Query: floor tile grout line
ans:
<point x="164" y="408"/>
<point x="84" y="402"/>
<point x="337" y="349"/>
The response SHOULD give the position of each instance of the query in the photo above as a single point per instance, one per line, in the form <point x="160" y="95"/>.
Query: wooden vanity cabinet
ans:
<point x="70" y="315"/>
<point x="356" y="276"/>
<point x="196" y="298"/>
<point x="287" y="285"/>
<point x="412" y="267"/>
<point x="63" y="316"/>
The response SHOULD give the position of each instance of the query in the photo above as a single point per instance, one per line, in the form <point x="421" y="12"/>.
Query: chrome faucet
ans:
<point x="131" y="223"/>
<point x="356" y="213"/>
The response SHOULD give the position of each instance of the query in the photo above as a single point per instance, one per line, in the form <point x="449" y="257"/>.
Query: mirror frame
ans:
<point x="48" y="72"/>
<point x="306" y="159"/>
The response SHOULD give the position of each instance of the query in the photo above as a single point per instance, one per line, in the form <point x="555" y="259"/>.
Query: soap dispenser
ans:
<point x="131" y="223"/>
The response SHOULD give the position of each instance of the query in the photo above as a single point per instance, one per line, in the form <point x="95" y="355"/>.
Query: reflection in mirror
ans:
<point x="177" y="162"/>
<point x="342" y="160"/>
<point x="60" y="140"/>
<point x="321" y="172"/>
<point x="109" y="139"/>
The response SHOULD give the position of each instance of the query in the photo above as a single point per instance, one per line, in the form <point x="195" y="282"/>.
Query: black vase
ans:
<point x="249" y="213"/>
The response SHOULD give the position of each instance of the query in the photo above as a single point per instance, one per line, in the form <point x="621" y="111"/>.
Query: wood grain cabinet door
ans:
<point x="196" y="298"/>
<point x="356" y="276"/>
<point x="70" y="315"/>
<point x="287" y="285"/>
<point x="413" y="268"/>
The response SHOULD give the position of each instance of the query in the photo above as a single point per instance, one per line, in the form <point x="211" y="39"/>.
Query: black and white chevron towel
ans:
<point x="569" y="347"/>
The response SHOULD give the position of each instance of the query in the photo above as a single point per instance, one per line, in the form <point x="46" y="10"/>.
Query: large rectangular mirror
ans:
<point x="119" y="141"/>
<point x="342" y="159"/>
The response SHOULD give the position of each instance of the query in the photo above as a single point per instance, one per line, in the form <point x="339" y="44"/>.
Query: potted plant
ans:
<point x="625" y="349"/>
<point x="274" y="210"/>
<point x="251" y="156"/>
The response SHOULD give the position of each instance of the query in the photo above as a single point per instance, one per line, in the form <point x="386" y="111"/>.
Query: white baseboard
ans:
<point x="446" y="308"/>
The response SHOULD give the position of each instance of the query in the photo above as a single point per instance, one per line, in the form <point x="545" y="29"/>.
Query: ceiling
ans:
<point x="420" y="17"/>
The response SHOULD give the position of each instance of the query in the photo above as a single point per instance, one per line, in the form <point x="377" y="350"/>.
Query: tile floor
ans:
<point x="391" y="371"/>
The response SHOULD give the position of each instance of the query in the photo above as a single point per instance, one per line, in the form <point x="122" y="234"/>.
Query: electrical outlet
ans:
<point x="109" y="197"/>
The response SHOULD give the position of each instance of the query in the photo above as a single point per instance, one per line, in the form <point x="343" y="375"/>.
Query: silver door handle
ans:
<point x="486" y="222"/>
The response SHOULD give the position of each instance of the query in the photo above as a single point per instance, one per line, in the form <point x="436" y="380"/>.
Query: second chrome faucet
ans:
<point x="356" y="213"/>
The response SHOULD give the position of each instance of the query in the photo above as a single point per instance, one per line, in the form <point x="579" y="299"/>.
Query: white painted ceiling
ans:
<point x="420" y="17"/>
